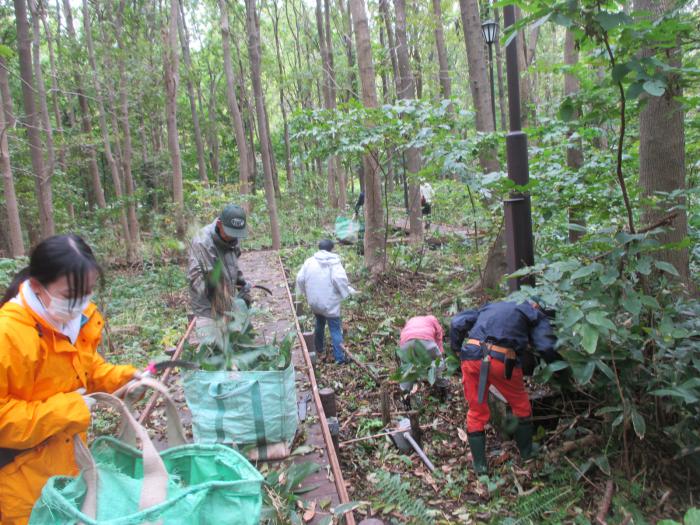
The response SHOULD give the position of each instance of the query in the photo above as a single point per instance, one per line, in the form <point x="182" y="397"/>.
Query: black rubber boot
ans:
<point x="477" y="444"/>
<point x="523" y="438"/>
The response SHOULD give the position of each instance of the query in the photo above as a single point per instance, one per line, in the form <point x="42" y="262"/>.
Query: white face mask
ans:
<point x="64" y="310"/>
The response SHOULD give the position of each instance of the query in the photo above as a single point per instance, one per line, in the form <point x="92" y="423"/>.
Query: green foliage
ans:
<point x="229" y="344"/>
<point x="692" y="517"/>
<point x="626" y="335"/>
<point x="8" y="269"/>
<point x="417" y="363"/>
<point x="395" y="495"/>
<point x="546" y="505"/>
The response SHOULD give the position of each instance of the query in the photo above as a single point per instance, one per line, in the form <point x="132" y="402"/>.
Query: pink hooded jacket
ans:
<point x="425" y="327"/>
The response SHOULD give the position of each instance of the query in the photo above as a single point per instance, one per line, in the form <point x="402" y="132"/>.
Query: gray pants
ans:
<point x="433" y="350"/>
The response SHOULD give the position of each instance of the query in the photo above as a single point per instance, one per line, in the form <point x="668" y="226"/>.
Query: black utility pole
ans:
<point x="519" y="251"/>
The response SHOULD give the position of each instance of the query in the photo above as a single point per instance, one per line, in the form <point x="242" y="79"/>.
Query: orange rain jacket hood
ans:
<point x="40" y="412"/>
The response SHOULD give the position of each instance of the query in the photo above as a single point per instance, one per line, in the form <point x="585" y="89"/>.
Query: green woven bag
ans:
<point x="251" y="408"/>
<point x="121" y="485"/>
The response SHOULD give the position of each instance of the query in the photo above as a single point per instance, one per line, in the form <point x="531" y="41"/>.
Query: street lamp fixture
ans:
<point x="490" y="31"/>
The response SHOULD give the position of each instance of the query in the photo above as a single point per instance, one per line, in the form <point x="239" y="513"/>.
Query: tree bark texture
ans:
<point x="391" y="41"/>
<point x="85" y="121"/>
<point x="127" y="150"/>
<point x="16" y="243"/>
<point x="444" y="71"/>
<point x="407" y="91"/>
<point x="32" y="121"/>
<point x="478" y="81"/>
<point x="254" y="55"/>
<point x="233" y="107"/>
<point x="332" y="94"/>
<point x="197" y="130"/>
<point x="662" y="153"/>
<point x="574" y="151"/>
<point x="171" y="77"/>
<point x="328" y="103"/>
<point x="283" y="99"/>
<point x="374" y="242"/>
<point x="116" y="179"/>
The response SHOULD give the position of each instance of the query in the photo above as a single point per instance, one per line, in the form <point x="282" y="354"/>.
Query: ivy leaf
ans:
<point x="590" y="338"/>
<point x="598" y="318"/>
<point x="585" y="271"/>
<point x="634" y="90"/>
<point x="571" y="316"/>
<point x="610" y="21"/>
<point x="632" y="304"/>
<point x="640" y="426"/>
<point x="666" y="267"/>
<point x="584" y="374"/>
<point x="619" y="72"/>
<point x="655" y="87"/>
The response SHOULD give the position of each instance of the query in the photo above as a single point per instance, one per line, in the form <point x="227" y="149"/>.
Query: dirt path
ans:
<point x="276" y="318"/>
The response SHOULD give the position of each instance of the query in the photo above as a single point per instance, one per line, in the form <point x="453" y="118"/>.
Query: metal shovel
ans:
<point x="405" y="443"/>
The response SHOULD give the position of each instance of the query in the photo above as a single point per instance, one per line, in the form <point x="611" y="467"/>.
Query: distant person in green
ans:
<point x="213" y="271"/>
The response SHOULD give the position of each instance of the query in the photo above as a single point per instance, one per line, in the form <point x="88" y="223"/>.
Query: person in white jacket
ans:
<point x="322" y="279"/>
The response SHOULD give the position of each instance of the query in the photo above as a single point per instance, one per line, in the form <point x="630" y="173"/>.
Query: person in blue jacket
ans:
<point x="490" y="343"/>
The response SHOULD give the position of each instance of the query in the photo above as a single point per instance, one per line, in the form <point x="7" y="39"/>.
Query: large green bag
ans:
<point x="251" y="408"/>
<point x="120" y="485"/>
<point x="346" y="230"/>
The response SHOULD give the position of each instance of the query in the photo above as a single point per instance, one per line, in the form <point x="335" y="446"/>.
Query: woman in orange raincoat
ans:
<point x="49" y="333"/>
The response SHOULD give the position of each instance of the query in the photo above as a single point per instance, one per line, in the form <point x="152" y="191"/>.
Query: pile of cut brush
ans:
<point x="229" y="343"/>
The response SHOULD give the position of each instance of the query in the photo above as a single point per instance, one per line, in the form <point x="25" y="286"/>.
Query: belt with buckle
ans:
<point x="509" y="353"/>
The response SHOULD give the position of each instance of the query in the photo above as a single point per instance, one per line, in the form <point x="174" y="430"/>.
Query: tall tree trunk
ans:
<point x="478" y="82"/>
<point x="185" y="43"/>
<point x="212" y="132"/>
<point x="662" y="153"/>
<point x="444" y="73"/>
<point x="574" y="152"/>
<point x="389" y="183"/>
<point x="351" y="91"/>
<point x="499" y="69"/>
<point x="239" y="131"/>
<point x="85" y="122"/>
<point x="254" y="54"/>
<point x="41" y="89"/>
<point x="407" y="91"/>
<point x="327" y="102"/>
<point x="42" y="176"/>
<point x="171" y="78"/>
<point x="391" y="41"/>
<point x="415" y="52"/>
<point x="283" y="103"/>
<point x="127" y="151"/>
<point x="332" y="96"/>
<point x="116" y="179"/>
<point x="374" y="243"/>
<point x="16" y="243"/>
<point x="41" y="12"/>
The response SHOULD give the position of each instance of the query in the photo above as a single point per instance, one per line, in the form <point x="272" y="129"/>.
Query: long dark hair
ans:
<point x="55" y="257"/>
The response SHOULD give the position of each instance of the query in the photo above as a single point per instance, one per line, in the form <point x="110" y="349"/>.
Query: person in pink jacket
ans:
<point x="426" y="331"/>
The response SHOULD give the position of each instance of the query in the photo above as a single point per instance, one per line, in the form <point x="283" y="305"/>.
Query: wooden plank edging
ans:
<point x="330" y="449"/>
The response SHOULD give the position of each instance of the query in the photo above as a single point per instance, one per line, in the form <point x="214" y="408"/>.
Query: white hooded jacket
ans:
<point x="322" y="279"/>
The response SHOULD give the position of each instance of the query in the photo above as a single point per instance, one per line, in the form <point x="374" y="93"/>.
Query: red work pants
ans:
<point x="513" y="390"/>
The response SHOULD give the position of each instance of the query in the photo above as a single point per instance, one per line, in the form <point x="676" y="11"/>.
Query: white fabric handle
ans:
<point x="174" y="429"/>
<point x="155" y="476"/>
